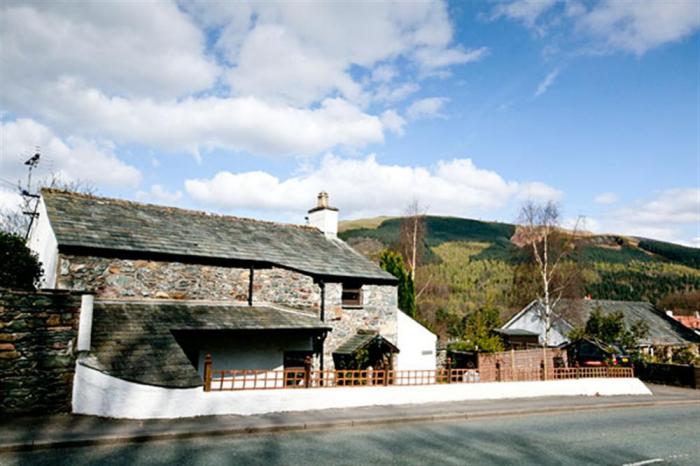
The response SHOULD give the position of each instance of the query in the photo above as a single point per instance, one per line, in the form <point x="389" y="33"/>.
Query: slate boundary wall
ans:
<point x="38" y="331"/>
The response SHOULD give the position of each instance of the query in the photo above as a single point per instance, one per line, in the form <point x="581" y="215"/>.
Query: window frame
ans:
<point x="352" y="287"/>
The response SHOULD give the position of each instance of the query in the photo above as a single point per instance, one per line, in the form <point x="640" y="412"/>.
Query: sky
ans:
<point x="470" y="108"/>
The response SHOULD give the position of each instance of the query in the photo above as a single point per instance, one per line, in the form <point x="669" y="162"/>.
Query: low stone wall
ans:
<point x="37" y="361"/>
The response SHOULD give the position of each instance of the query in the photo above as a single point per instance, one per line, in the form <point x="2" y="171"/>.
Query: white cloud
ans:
<point x="526" y="11"/>
<point x="640" y="26"/>
<point x="394" y="93"/>
<point x="546" y="83"/>
<point x="364" y="187"/>
<point x="384" y="73"/>
<point x="192" y="124"/>
<point x="694" y="242"/>
<point x="538" y="191"/>
<point x="71" y="159"/>
<point x="606" y="198"/>
<point x="159" y="195"/>
<point x="611" y="25"/>
<point x="145" y="75"/>
<point x="673" y="215"/>
<point x="393" y="122"/>
<point x="299" y="54"/>
<point x="431" y="58"/>
<point x="152" y="49"/>
<point x="274" y="64"/>
<point x="430" y="107"/>
<point x="9" y="200"/>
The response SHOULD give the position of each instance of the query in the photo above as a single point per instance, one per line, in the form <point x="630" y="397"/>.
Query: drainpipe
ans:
<point x="322" y="284"/>
<point x="85" y="324"/>
<point x="250" y="286"/>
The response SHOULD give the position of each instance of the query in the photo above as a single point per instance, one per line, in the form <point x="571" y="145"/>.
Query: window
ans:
<point x="352" y="295"/>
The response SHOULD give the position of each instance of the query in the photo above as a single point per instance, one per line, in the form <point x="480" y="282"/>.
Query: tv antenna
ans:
<point x="27" y="194"/>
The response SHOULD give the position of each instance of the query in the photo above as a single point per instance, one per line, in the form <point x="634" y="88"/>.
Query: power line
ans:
<point x="9" y="183"/>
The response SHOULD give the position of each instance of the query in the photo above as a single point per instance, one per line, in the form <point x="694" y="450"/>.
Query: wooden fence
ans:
<point x="670" y="374"/>
<point x="231" y="380"/>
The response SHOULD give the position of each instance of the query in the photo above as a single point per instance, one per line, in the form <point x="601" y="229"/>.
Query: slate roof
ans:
<point x="84" y="221"/>
<point x="663" y="330"/>
<point x="516" y="332"/>
<point x="134" y="341"/>
<point x="360" y="340"/>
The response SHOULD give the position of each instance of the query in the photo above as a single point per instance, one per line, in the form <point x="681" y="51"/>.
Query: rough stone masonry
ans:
<point x="37" y="358"/>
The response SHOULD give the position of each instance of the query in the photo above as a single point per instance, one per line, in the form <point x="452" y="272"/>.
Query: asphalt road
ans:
<point x="640" y="436"/>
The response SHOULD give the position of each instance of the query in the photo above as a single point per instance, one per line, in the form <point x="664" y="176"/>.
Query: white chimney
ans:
<point x="324" y="217"/>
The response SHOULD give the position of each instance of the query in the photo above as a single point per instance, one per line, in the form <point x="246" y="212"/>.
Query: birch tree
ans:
<point x="540" y="231"/>
<point x="412" y="235"/>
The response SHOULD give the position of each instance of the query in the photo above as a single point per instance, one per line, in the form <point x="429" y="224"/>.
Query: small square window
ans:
<point x="352" y="295"/>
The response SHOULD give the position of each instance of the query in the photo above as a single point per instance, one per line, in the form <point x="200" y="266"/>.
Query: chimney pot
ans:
<point x="322" y="199"/>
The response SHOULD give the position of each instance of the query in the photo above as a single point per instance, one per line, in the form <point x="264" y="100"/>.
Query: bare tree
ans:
<point x="540" y="231"/>
<point x="412" y="234"/>
<point x="18" y="221"/>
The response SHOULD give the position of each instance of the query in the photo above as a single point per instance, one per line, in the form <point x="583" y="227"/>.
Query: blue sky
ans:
<point x="469" y="107"/>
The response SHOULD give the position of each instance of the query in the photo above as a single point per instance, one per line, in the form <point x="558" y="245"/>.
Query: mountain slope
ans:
<point x="470" y="264"/>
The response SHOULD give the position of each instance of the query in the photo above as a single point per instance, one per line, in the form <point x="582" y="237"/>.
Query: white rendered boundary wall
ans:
<point x="100" y="394"/>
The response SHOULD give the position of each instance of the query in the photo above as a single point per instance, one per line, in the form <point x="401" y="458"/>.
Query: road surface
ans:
<point x="630" y="436"/>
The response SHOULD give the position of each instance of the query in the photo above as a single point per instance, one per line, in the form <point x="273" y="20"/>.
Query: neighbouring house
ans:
<point x="172" y="285"/>
<point x="690" y="321"/>
<point x="663" y="330"/>
<point x="516" y="338"/>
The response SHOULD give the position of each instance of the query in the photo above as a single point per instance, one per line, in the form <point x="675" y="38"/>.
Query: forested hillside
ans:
<point x="470" y="264"/>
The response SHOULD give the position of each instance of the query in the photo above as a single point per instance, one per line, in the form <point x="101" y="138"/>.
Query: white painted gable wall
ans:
<point x="416" y="345"/>
<point x="42" y="241"/>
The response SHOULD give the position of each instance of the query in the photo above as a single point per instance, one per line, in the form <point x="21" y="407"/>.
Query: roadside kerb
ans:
<point x="321" y="425"/>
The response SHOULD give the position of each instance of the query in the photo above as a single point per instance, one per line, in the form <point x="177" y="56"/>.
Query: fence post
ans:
<point x="498" y="371"/>
<point x="207" y="372"/>
<point x="307" y="371"/>
<point x="449" y="370"/>
<point x="543" y="371"/>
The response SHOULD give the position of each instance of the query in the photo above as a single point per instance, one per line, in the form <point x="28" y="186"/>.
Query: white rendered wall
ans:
<point x="416" y="345"/>
<point x="325" y="220"/>
<point x="96" y="393"/>
<point x="42" y="241"/>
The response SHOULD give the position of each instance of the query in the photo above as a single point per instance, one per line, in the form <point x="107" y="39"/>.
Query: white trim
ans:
<point x="99" y="394"/>
<point x="85" y="323"/>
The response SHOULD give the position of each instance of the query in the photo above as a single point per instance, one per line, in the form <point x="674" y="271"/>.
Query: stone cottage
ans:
<point x="172" y="285"/>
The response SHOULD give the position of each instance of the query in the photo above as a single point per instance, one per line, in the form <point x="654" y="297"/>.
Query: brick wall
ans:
<point x="37" y="362"/>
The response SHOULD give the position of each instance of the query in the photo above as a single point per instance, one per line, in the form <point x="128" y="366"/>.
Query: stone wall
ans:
<point x="286" y="287"/>
<point x="377" y="313"/>
<point x="37" y="361"/>
<point x="123" y="278"/>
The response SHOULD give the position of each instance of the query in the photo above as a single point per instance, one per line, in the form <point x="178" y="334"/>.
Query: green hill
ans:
<point x="470" y="264"/>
